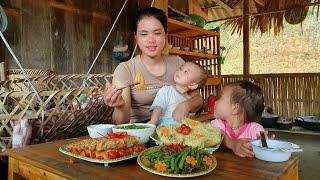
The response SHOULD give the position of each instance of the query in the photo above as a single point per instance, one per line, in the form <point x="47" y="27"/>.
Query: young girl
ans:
<point x="241" y="103"/>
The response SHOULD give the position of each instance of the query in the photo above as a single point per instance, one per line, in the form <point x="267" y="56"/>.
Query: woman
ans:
<point x="151" y="68"/>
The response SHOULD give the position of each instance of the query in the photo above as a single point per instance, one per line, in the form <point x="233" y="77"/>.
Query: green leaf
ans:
<point x="199" y="20"/>
<point x="213" y="25"/>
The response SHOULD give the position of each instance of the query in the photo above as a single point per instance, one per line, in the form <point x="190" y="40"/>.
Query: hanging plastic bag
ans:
<point x="22" y="132"/>
<point x="120" y="49"/>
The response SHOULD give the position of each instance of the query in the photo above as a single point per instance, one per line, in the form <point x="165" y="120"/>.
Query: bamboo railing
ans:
<point x="289" y="95"/>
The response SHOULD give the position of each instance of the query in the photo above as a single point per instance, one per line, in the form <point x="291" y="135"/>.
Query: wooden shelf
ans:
<point x="181" y="34"/>
<point x="188" y="30"/>
<point x="192" y="54"/>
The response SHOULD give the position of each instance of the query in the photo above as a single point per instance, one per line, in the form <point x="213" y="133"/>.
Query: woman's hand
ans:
<point x="112" y="96"/>
<point x="243" y="148"/>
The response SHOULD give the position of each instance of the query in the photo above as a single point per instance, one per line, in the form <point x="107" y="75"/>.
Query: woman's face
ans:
<point x="223" y="106"/>
<point x="150" y="36"/>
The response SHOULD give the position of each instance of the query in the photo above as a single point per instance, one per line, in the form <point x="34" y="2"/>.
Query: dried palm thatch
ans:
<point x="272" y="14"/>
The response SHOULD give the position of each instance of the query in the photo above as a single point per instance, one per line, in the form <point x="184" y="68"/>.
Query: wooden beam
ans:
<point x="260" y="2"/>
<point x="246" y="40"/>
<point x="177" y="11"/>
<point x="223" y="5"/>
<point x="12" y="11"/>
<point x="78" y="11"/>
<point x="195" y="8"/>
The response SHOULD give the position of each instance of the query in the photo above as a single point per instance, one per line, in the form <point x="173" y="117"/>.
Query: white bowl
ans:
<point x="99" y="130"/>
<point x="143" y="135"/>
<point x="277" y="151"/>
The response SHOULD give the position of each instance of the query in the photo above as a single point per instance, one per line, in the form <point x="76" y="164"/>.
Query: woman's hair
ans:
<point x="151" y="12"/>
<point x="250" y="99"/>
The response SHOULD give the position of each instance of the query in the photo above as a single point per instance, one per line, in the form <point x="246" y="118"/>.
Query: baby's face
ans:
<point x="223" y="106"/>
<point x="186" y="75"/>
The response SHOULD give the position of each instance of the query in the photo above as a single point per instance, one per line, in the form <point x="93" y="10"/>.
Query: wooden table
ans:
<point x="44" y="161"/>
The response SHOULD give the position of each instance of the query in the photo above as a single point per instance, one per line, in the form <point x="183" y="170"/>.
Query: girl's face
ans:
<point x="150" y="36"/>
<point x="223" y="108"/>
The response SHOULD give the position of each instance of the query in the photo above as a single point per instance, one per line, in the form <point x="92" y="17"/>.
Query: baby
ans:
<point x="188" y="78"/>
<point x="241" y="103"/>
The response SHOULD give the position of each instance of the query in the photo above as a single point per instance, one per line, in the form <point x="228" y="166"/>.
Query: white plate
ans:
<point x="195" y="174"/>
<point x="63" y="150"/>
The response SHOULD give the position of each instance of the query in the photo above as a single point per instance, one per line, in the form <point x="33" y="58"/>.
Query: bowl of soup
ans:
<point x="142" y="131"/>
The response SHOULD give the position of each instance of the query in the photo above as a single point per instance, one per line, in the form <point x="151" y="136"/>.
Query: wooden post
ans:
<point x="3" y="71"/>
<point x="246" y="42"/>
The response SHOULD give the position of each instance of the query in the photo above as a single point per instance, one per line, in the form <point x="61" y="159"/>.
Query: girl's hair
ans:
<point x="151" y="12"/>
<point x="250" y="99"/>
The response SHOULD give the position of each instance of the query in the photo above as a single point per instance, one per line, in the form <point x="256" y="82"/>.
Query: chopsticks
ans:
<point x="99" y="94"/>
<point x="130" y="85"/>
<point x="263" y="139"/>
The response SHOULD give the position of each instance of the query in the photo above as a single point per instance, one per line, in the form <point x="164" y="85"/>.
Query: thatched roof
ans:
<point x="265" y="14"/>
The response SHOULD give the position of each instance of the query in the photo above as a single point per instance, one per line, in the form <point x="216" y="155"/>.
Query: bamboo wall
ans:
<point x="289" y="95"/>
<point x="65" y="35"/>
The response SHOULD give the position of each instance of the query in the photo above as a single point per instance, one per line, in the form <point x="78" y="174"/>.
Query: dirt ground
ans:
<point x="295" y="50"/>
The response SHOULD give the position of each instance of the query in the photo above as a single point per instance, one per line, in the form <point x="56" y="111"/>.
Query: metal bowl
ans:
<point x="269" y="121"/>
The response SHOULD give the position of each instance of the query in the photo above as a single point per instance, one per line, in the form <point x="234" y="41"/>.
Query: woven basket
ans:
<point x="57" y="82"/>
<point x="16" y="74"/>
<point x="55" y="118"/>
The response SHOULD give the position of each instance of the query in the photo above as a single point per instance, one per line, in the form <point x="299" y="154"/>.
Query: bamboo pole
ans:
<point x="246" y="38"/>
<point x="2" y="71"/>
